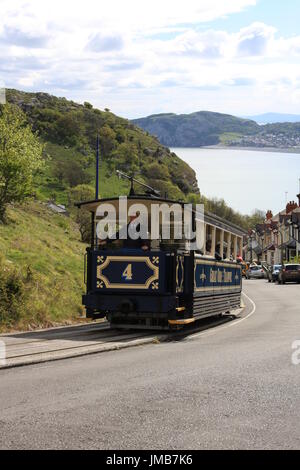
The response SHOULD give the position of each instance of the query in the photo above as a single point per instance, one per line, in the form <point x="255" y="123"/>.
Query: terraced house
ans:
<point x="276" y="240"/>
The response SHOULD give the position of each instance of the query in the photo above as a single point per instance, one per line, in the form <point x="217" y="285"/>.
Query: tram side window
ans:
<point x="121" y="238"/>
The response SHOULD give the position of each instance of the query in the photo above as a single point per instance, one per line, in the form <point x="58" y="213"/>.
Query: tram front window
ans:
<point x="122" y="239"/>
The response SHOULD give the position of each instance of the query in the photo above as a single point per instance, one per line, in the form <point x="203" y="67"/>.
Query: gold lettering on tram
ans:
<point x="220" y="276"/>
<point x="228" y="276"/>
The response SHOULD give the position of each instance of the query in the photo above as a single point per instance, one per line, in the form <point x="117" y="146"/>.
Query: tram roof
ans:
<point x="213" y="219"/>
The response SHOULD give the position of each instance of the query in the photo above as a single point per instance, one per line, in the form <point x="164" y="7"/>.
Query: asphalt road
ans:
<point x="233" y="387"/>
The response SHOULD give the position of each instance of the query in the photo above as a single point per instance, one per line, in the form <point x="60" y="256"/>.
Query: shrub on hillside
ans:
<point x="82" y="192"/>
<point x="12" y="296"/>
<point x="157" y="171"/>
<point x="20" y="157"/>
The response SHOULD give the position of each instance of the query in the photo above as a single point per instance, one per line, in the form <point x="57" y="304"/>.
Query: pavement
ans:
<point x="233" y="386"/>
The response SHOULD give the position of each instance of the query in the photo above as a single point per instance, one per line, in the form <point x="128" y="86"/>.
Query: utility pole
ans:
<point x="282" y="249"/>
<point x="94" y="234"/>
<point x="251" y="246"/>
<point x="97" y="167"/>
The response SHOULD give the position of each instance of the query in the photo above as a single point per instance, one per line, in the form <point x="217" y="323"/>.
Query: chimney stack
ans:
<point x="292" y="205"/>
<point x="269" y="215"/>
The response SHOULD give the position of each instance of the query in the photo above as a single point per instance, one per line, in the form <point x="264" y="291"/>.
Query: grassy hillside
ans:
<point x="69" y="132"/>
<point x="196" y="129"/>
<point x="41" y="275"/>
<point x="49" y="186"/>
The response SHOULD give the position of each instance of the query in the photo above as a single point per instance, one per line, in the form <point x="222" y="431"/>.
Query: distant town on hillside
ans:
<point x="206" y="128"/>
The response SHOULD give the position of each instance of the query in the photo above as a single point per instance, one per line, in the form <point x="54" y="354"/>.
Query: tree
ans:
<point x="257" y="217"/>
<point x="87" y="105"/>
<point x="158" y="171"/>
<point x="69" y="128"/>
<point x="120" y="134"/>
<point x="107" y="140"/>
<point x="20" y="157"/>
<point x="71" y="172"/>
<point x="126" y="158"/>
<point x="82" y="192"/>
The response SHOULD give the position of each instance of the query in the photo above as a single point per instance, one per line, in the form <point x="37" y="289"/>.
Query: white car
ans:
<point x="255" y="272"/>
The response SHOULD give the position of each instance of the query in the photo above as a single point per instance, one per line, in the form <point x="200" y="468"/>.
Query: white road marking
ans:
<point x="218" y="328"/>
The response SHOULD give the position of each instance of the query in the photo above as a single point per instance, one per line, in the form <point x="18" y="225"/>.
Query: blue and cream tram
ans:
<point x="160" y="283"/>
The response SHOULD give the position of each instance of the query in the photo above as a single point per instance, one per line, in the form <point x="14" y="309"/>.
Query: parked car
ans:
<point x="273" y="272"/>
<point x="289" y="273"/>
<point x="255" y="272"/>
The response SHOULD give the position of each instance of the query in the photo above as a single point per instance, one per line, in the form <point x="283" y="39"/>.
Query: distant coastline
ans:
<point x="253" y="149"/>
<point x="205" y="129"/>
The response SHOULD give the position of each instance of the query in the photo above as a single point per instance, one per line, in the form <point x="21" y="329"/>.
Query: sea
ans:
<point x="245" y="179"/>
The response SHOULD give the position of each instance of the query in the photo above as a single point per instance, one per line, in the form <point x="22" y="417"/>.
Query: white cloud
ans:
<point x="121" y="55"/>
<point x="100" y="43"/>
<point x="133" y="15"/>
<point x="255" y="39"/>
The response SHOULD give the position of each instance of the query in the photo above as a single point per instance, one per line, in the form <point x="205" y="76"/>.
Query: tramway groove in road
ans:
<point x="53" y="349"/>
<point x="54" y="344"/>
<point x="80" y="336"/>
<point x="50" y="345"/>
<point x="62" y="331"/>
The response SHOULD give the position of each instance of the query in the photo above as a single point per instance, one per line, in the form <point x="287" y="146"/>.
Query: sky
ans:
<point x="143" y="57"/>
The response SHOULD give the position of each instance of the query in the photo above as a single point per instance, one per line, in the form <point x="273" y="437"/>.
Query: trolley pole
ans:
<point x="94" y="234"/>
<point x="97" y="167"/>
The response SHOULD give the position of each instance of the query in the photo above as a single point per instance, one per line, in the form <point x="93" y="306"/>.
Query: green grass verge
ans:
<point x="42" y="251"/>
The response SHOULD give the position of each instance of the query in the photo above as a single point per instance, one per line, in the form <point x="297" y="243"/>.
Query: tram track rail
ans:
<point x="49" y="345"/>
<point x="60" y="343"/>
